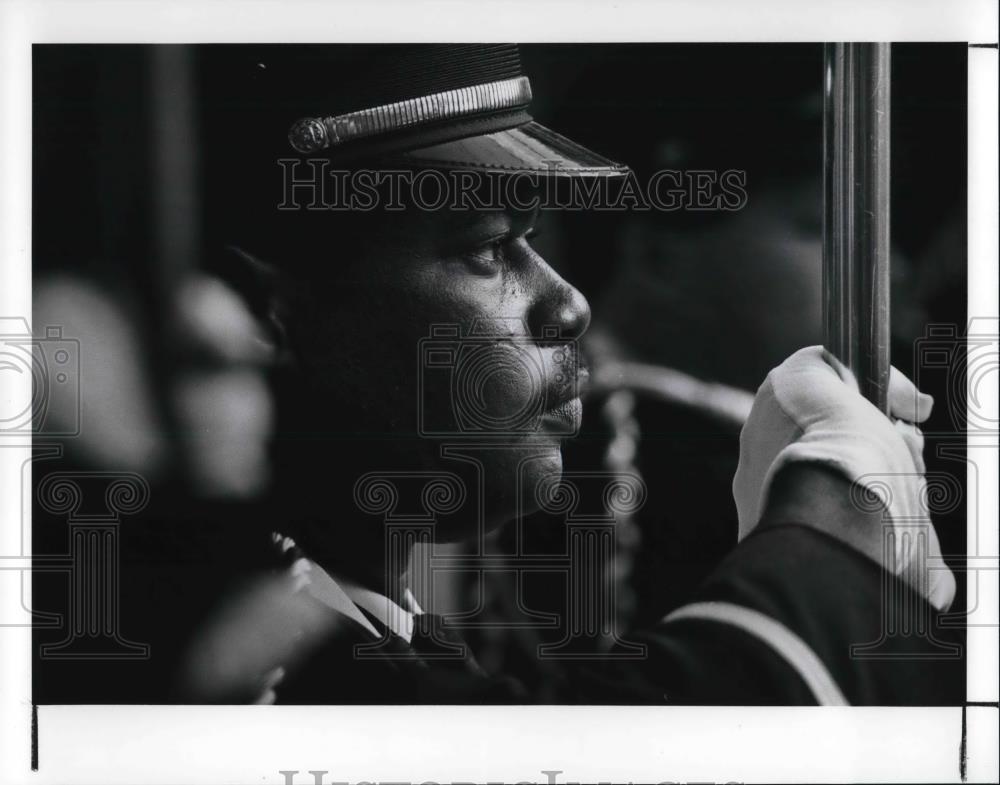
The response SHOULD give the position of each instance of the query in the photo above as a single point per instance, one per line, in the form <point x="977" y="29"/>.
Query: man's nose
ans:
<point x="557" y="304"/>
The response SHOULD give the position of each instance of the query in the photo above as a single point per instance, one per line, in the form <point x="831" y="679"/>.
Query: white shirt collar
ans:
<point x="348" y="598"/>
<point x="391" y="614"/>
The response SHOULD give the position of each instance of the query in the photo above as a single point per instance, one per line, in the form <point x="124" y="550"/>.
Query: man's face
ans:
<point x="448" y="333"/>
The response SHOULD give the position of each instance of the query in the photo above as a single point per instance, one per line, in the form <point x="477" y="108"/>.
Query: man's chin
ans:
<point x="533" y="477"/>
<point x="512" y="482"/>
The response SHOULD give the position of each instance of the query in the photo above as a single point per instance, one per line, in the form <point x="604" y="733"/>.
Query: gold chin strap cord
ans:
<point x="856" y="212"/>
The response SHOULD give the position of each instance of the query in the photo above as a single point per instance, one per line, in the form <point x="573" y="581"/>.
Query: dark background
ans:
<point x="120" y="261"/>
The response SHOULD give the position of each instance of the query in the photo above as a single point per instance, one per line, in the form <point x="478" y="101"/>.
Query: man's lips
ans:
<point x="565" y="418"/>
<point x="570" y="411"/>
<point x="566" y="390"/>
<point x="567" y="414"/>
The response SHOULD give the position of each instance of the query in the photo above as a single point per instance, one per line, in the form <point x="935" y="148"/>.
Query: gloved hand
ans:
<point x="810" y="409"/>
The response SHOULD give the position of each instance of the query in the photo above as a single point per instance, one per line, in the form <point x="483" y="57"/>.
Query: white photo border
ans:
<point x="202" y="744"/>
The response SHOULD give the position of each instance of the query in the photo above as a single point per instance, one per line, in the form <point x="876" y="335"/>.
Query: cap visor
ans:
<point x="531" y="148"/>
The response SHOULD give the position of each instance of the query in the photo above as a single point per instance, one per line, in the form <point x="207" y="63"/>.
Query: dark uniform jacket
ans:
<point x="792" y="616"/>
<point x="789" y="616"/>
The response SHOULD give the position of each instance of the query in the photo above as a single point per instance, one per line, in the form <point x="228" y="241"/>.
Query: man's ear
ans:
<point x="262" y="287"/>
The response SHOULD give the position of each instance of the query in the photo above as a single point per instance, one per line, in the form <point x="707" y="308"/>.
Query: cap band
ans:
<point x="311" y="134"/>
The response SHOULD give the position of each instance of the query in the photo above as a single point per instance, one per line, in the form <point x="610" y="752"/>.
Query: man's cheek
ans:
<point x="480" y="385"/>
<point x="505" y="380"/>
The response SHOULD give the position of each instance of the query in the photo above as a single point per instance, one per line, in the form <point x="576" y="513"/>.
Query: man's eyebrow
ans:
<point x="487" y="226"/>
<point x="511" y="222"/>
<point x="482" y="228"/>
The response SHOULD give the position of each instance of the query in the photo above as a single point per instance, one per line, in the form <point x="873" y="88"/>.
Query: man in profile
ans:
<point x="370" y="314"/>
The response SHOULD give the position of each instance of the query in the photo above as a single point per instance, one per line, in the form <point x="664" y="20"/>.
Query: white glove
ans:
<point x="810" y="409"/>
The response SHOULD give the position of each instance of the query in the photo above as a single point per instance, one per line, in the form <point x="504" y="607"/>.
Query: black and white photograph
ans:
<point x="622" y="394"/>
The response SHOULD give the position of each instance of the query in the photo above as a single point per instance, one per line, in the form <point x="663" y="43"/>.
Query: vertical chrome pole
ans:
<point x="856" y="212"/>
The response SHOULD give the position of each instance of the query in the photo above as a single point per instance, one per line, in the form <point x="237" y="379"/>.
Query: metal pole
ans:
<point x="856" y="212"/>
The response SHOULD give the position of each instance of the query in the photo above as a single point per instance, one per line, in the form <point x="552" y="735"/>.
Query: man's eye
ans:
<point x="489" y="258"/>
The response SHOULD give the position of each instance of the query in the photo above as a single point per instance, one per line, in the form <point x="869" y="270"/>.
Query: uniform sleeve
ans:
<point x="792" y="616"/>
